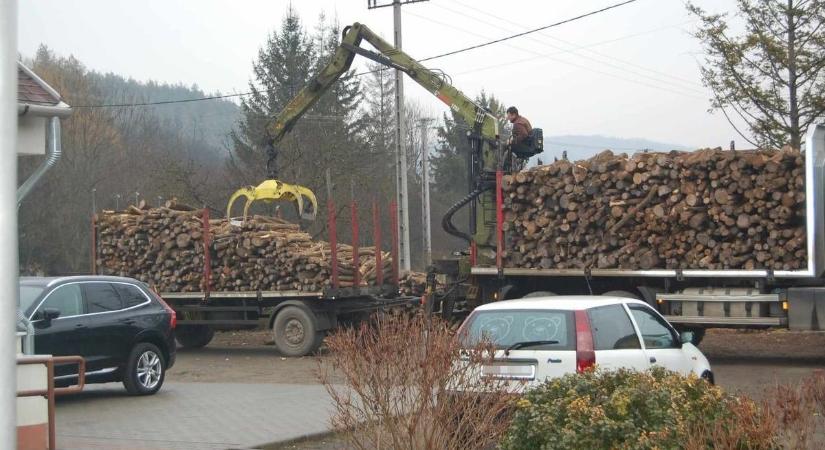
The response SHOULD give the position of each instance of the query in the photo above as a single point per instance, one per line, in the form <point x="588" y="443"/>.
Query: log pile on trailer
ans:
<point x="413" y="283"/>
<point x="709" y="209"/>
<point x="165" y="248"/>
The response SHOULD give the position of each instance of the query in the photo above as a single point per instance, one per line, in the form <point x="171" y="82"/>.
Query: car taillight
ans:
<point x="585" y="355"/>
<point x="173" y="321"/>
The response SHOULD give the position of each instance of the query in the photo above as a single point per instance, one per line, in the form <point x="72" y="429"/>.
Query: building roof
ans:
<point x="33" y="91"/>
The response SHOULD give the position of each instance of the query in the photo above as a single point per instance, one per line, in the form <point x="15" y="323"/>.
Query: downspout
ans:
<point x="24" y="190"/>
<point x="51" y="159"/>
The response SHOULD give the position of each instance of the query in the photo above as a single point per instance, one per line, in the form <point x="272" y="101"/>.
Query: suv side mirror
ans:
<point x="686" y="337"/>
<point x="48" y="314"/>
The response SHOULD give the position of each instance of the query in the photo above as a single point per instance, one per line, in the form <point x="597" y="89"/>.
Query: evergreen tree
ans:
<point x="281" y="70"/>
<point x="380" y="109"/>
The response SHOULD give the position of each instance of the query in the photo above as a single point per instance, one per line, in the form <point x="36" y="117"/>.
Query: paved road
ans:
<point x="191" y="416"/>
<point x="234" y="393"/>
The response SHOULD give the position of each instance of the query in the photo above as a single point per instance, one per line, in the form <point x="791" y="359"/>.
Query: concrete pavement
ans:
<point x="191" y="416"/>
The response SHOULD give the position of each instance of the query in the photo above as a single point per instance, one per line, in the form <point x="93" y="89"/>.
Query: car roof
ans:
<point x="51" y="281"/>
<point x="559" y="302"/>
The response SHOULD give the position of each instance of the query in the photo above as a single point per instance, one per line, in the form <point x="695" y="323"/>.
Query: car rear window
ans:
<point x="101" y="297"/>
<point x="612" y="328"/>
<point x="131" y="295"/>
<point x="507" y="327"/>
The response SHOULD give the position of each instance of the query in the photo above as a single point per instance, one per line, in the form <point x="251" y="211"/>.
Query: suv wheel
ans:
<point x="145" y="370"/>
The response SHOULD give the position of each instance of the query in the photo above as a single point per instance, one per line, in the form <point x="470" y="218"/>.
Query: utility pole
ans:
<point x="400" y="134"/>
<point x="425" y="193"/>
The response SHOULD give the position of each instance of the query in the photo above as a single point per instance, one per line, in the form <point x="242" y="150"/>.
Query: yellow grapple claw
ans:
<point x="274" y="190"/>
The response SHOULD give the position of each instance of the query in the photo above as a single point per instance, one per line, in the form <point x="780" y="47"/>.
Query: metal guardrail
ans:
<point x="50" y="392"/>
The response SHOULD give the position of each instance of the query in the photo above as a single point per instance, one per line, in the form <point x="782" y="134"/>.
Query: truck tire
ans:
<point x="622" y="294"/>
<point x="194" y="336"/>
<point x="540" y="294"/>
<point x="296" y="332"/>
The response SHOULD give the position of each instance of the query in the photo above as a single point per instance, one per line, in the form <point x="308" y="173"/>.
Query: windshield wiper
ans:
<point x="525" y="344"/>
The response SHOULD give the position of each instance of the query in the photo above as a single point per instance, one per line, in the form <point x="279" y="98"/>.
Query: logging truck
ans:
<point x="693" y="298"/>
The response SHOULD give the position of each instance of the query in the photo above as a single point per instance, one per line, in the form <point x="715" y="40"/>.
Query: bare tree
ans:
<point x="771" y="75"/>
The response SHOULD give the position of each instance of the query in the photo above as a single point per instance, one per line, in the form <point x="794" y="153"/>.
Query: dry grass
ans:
<point x="790" y="417"/>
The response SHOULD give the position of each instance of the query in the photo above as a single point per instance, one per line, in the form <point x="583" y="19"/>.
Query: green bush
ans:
<point x="616" y="410"/>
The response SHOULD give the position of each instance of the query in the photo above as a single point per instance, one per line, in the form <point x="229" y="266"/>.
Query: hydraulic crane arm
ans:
<point x="482" y="122"/>
<point x="486" y="155"/>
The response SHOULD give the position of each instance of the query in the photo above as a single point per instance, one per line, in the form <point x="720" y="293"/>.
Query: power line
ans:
<point x="575" y="48"/>
<point x="534" y="30"/>
<point x="442" y="55"/>
<point x="648" y="72"/>
<point x="591" y="70"/>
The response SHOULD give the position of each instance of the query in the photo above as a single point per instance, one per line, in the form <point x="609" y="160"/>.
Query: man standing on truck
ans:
<point x="521" y="131"/>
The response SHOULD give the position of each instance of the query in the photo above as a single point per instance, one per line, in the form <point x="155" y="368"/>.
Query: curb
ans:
<point x="275" y="445"/>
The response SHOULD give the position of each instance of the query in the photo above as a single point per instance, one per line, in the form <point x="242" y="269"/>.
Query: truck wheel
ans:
<point x="622" y="294"/>
<point x="194" y="336"/>
<point x="540" y="294"/>
<point x="296" y="332"/>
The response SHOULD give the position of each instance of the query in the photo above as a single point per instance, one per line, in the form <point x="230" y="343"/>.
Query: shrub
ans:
<point x="394" y="384"/>
<point x="616" y="409"/>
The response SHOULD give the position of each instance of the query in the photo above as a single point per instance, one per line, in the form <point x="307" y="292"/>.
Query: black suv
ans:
<point x="123" y="330"/>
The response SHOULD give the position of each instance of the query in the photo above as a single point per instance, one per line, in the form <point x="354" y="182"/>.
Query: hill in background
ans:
<point x="582" y="147"/>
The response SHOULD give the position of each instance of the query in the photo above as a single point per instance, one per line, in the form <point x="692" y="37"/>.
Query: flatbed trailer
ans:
<point x="298" y="320"/>
<point x="691" y="299"/>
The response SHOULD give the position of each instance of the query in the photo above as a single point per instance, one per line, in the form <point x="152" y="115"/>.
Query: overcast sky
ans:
<point x="628" y="72"/>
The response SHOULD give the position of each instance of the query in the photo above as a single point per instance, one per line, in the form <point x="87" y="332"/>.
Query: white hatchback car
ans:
<point x="547" y="337"/>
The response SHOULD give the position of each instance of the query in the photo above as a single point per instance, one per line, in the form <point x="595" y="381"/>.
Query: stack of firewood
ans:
<point x="709" y="209"/>
<point x="413" y="283"/>
<point x="165" y="247"/>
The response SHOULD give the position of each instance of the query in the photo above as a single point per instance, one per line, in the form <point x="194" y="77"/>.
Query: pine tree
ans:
<point x="281" y="70"/>
<point x="380" y="109"/>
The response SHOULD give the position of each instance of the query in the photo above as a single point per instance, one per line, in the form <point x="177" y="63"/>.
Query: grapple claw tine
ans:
<point x="273" y="190"/>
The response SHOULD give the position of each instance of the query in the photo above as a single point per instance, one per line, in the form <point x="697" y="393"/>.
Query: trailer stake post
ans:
<point x="94" y="244"/>
<point x="394" y="219"/>
<point x="376" y="239"/>
<point x="356" y="257"/>
<point x="207" y="256"/>
<point x="499" y="223"/>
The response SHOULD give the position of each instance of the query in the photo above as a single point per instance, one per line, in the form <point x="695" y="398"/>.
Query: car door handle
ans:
<point x="80" y="325"/>
<point x="652" y="359"/>
<point x="128" y="321"/>
<point x="553" y="360"/>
